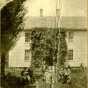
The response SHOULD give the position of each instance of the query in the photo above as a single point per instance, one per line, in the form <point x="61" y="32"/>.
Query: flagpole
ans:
<point x="58" y="16"/>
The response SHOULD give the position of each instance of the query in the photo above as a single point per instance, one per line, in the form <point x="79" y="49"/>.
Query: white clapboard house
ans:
<point x="76" y="37"/>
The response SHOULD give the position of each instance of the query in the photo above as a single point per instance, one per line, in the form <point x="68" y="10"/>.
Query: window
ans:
<point x="27" y="37"/>
<point x="70" y="36"/>
<point x="70" y="54"/>
<point x="27" y="54"/>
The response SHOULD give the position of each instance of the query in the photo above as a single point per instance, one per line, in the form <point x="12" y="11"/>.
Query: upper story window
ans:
<point x="70" y="36"/>
<point x="27" y="37"/>
<point x="27" y="54"/>
<point x="70" y="54"/>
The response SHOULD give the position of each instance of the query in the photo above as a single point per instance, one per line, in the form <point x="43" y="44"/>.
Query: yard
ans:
<point x="79" y="80"/>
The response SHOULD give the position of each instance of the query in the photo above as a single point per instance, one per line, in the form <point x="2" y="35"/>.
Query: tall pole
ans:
<point x="58" y="16"/>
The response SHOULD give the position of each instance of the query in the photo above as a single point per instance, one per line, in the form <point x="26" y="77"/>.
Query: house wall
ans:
<point x="17" y="54"/>
<point x="79" y="46"/>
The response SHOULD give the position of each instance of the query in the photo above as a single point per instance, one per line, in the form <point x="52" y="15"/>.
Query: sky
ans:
<point x="3" y="2"/>
<point x="68" y="7"/>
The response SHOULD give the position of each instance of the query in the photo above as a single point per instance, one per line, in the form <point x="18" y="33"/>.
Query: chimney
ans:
<point x="57" y="18"/>
<point x="41" y="12"/>
<point x="57" y="12"/>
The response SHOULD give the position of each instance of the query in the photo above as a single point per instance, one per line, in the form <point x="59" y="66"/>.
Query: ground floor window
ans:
<point x="70" y="36"/>
<point x="27" y="37"/>
<point x="70" y="54"/>
<point x="27" y="54"/>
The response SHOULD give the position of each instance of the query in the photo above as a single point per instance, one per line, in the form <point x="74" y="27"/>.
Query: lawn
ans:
<point x="79" y="80"/>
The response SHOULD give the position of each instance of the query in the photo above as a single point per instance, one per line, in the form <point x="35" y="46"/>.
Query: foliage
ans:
<point x="62" y="48"/>
<point x="45" y="45"/>
<point x="11" y="23"/>
<point x="38" y="47"/>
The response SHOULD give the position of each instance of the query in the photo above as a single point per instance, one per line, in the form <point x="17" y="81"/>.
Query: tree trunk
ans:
<point x="3" y="69"/>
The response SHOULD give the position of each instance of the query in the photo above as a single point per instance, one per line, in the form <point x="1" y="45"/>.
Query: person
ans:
<point x="60" y="74"/>
<point x="67" y="75"/>
<point x="25" y="76"/>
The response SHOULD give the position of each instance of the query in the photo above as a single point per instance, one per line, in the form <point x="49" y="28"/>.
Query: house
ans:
<point x="76" y="37"/>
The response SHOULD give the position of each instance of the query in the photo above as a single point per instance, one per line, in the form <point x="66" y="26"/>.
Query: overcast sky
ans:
<point x="69" y="7"/>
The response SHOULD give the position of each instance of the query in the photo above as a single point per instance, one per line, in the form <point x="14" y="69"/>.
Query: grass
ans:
<point x="79" y="80"/>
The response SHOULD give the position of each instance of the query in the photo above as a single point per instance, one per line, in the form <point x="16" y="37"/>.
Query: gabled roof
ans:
<point x="79" y="23"/>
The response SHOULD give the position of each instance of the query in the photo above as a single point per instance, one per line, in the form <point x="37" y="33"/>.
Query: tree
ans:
<point x="62" y="48"/>
<point x="38" y="46"/>
<point x="55" y="41"/>
<point x="47" y="45"/>
<point x="11" y="25"/>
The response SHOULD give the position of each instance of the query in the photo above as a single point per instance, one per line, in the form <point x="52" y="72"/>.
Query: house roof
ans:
<point x="77" y="23"/>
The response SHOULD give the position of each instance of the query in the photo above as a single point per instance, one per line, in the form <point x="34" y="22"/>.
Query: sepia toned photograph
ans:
<point x="44" y="44"/>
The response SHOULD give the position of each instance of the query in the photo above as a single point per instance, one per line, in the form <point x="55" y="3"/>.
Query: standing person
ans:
<point x="60" y="74"/>
<point x="67" y="75"/>
<point x="24" y="77"/>
<point x="48" y="78"/>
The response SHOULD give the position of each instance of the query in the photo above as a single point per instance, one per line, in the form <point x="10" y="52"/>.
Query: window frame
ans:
<point x="27" y="54"/>
<point x="27" y="37"/>
<point x="70" y="36"/>
<point x="70" y="54"/>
